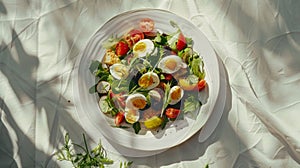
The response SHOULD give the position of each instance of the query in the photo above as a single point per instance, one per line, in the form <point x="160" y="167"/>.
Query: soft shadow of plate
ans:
<point x="95" y="123"/>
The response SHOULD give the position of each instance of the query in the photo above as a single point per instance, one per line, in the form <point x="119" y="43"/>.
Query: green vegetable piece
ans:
<point x="93" y="89"/>
<point x="191" y="105"/>
<point x="165" y="121"/>
<point x="94" y="66"/>
<point x="160" y="39"/>
<point x="137" y="127"/>
<point x="197" y="67"/>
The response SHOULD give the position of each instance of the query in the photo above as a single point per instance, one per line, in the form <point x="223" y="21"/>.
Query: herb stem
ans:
<point x="86" y="147"/>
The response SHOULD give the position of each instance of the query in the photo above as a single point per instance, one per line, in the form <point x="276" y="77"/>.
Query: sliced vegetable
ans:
<point x="146" y="25"/>
<point x="103" y="104"/>
<point x="172" y="113"/>
<point x="103" y="87"/>
<point x="181" y="43"/>
<point x="201" y="84"/>
<point x="119" y="118"/>
<point x="122" y="48"/>
<point x="153" y="122"/>
<point x="133" y="37"/>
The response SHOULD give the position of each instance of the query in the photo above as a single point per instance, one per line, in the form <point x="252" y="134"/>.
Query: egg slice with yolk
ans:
<point x="143" y="48"/>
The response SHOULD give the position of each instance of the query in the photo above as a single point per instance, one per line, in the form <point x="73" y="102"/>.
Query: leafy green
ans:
<point x="160" y="39"/>
<point x="165" y="121"/>
<point x="93" y="89"/>
<point x="125" y="164"/>
<point x="101" y="73"/>
<point x="94" y="66"/>
<point x="111" y="42"/>
<point x="119" y="86"/>
<point x="186" y="55"/>
<point x="112" y="109"/>
<point x="191" y="104"/>
<point x="172" y="40"/>
<point x="197" y="67"/>
<point x="137" y="127"/>
<point x="189" y="42"/>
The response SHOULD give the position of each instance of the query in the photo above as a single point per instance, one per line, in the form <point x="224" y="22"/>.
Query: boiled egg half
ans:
<point x="132" y="115"/>
<point x="171" y="64"/>
<point x="143" y="48"/>
<point x="149" y="80"/>
<point x="175" y="94"/>
<point x="119" y="71"/>
<point x="136" y="101"/>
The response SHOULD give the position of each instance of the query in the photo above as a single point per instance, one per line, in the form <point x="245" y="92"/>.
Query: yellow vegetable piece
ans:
<point x="153" y="122"/>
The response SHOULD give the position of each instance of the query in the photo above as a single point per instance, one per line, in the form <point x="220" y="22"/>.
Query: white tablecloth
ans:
<point x="258" y="41"/>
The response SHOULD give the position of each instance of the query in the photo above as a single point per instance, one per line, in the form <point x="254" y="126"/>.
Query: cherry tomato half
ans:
<point x="181" y="43"/>
<point x="133" y="36"/>
<point x="172" y="113"/>
<point x="119" y="118"/>
<point x="168" y="77"/>
<point x="146" y="25"/>
<point x="201" y="84"/>
<point x="122" y="48"/>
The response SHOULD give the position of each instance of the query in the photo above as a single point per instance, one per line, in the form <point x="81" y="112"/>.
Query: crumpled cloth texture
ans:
<point x="257" y="41"/>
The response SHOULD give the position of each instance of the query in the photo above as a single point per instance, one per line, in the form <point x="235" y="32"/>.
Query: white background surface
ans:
<point x="258" y="42"/>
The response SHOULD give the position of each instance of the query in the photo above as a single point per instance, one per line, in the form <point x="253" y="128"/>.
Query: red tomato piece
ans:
<point x="168" y="77"/>
<point x="121" y="48"/>
<point x="201" y="84"/>
<point x="146" y="25"/>
<point x="133" y="36"/>
<point x="172" y="113"/>
<point x="181" y="43"/>
<point x="119" y="118"/>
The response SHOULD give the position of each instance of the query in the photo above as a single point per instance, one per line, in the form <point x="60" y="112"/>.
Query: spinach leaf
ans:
<point x="137" y="127"/>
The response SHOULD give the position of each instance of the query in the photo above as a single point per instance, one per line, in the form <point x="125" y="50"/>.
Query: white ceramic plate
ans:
<point x="87" y="105"/>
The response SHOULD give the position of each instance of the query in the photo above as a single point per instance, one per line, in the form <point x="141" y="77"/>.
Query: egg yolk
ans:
<point x="140" y="47"/>
<point x="171" y="64"/>
<point x="145" y="81"/>
<point x="176" y="94"/>
<point x="139" y="103"/>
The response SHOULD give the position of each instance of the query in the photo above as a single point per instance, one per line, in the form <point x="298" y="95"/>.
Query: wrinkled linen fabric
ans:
<point x="257" y="41"/>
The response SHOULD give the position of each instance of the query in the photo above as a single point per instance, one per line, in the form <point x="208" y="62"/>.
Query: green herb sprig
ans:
<point x="96" y="157"/>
